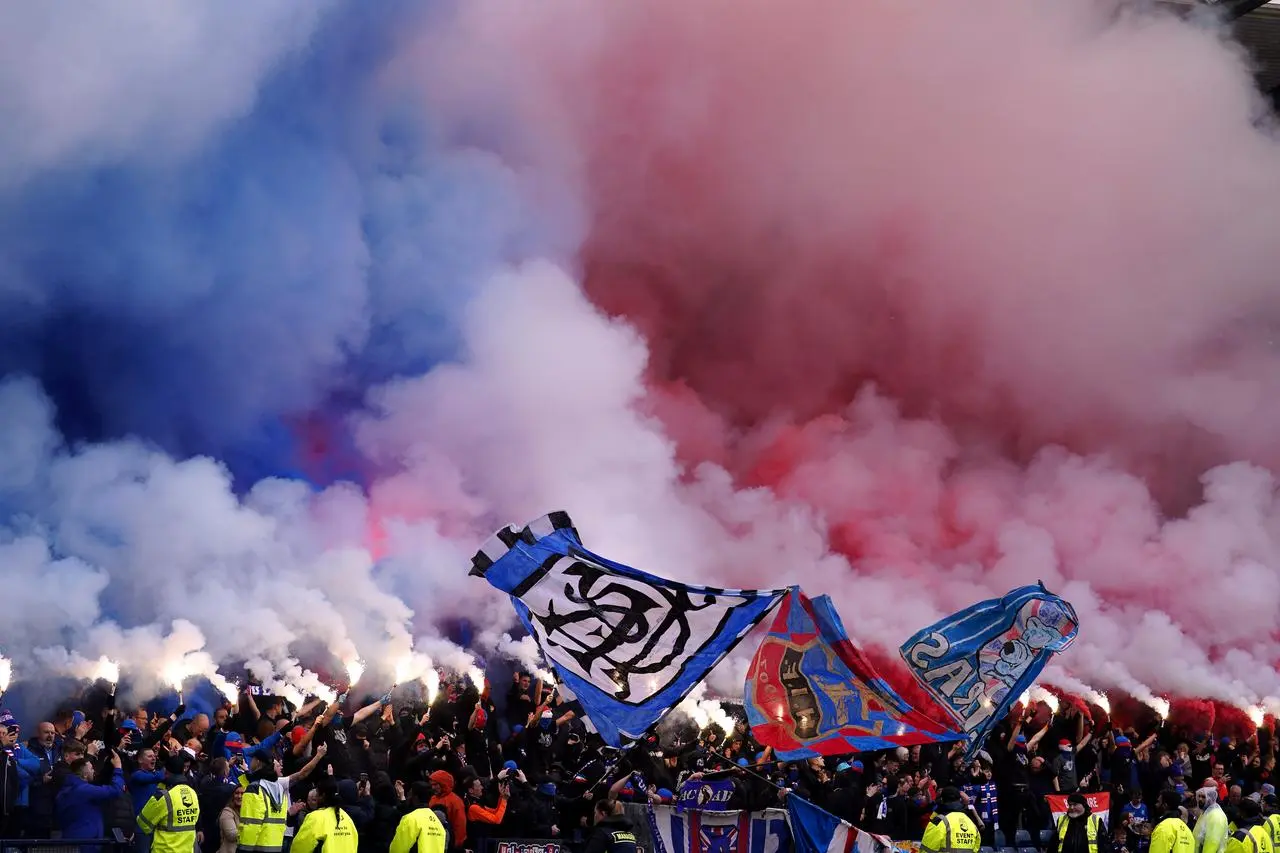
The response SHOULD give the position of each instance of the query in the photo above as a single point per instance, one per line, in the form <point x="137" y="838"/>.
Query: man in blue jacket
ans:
<point x="144" y="781"/>
<point x="17" y="768"/>
<point x="80" y="802"/>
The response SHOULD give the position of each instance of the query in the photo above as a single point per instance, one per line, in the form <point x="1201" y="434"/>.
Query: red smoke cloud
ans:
<point x="990" y="288"/>
<point x="1007" y="217"/>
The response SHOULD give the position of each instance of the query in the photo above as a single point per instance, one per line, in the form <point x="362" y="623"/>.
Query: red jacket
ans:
<point x="452" y="805"/>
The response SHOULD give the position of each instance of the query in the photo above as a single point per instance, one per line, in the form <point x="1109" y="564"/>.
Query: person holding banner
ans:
<point x="1171" y="835"/>
<point x="951" y="830"/>
<point x="1080" y="830"/>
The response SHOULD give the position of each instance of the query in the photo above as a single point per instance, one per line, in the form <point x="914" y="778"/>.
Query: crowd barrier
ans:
<point x="64" y="845"/>
<point x="521" y="845"/>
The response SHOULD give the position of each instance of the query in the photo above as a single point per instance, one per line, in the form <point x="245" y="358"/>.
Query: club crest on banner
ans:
<point x="627" y="644"/>
<point x="624" y="632"/>
<point x="811" y="692"/>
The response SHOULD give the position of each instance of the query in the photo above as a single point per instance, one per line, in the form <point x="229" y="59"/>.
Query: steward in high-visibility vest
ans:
<point x="328" y="828"/>
<point x="1079" y="830"/>
<point x="1171" y="835"/>
<point x="264" y="808"/>
<point x="420" y="831"/>
<point x="1270" y="808"/>
<point x="1250" y="835"/>
<point x="172" y="815"/>
<point x="951" y="830"/>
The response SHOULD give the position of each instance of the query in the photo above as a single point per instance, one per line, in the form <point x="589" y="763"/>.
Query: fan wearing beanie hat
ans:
<point x="1066" y="778"/>
<point x="951" y="828"/>
<point x="1080" y="830"/>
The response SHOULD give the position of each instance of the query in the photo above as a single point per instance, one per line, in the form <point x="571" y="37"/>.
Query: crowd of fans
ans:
<point x="527" y="767"/>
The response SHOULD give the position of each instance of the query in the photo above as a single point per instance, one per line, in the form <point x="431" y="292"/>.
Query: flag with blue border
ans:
<point x="628" y="644"/>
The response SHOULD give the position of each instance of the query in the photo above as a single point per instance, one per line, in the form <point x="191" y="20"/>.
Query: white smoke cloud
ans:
<point x="139" y="78"/>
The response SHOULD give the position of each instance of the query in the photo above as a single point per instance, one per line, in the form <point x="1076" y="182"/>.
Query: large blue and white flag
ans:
<point x="814" y="830"/>
<point x="978" y="662"/>
<point x="628" y="644"/>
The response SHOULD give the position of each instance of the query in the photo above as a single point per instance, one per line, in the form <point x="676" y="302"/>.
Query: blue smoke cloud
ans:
<point x="203" y="296"/>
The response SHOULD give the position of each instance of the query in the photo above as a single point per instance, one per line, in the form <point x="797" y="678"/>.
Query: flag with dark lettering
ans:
<point x="628" y="644"/>
<point x="709" y="795"/>
<point x="811" y="692"/>
<point x="978" y="662"/>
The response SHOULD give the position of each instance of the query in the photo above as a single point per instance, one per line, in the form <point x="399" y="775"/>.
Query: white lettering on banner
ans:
<point x="1099" y="804"/>
<point x="975" y="704"/>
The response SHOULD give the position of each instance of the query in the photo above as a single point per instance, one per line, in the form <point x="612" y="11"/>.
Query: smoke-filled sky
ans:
<point x="908" y="303"/>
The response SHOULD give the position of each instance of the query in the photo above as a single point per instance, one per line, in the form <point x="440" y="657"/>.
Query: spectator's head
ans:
<point x="1234" y="793"/>
<point x="526" y="683"/>
<point x="176" y="765"/>
<point x="219" y="768"/>
<point x="147" y="760"/>
<point x="606" y="807"/>
<point x="9" y="729"/>
<point x="199" y="726"/>
<point x="263" y="765"/>
<point x="420" y="793"/>
<point x="327" y="789"/>
<point x="73" y="750"/>
<point x="1165" y="760"/>
<point x="140" y="719"/>
<point x="237" y="797"/>
<point x="1064" y="745"/>
<point x="1168" y="801"/>
<point x="1250" y="811"/>
<point x="1269" y="804"/>
<point x="1077" y="805"/>
<point x="313" y="800"/>
<point x="266" y="728"/>
<point x="1135" y="796"/>
<point x="220" y="718"/>
<point x="1207" y="796"/>
<point x="83" y="767"/>
<point x="63" y="720"/>
<point x="441" y="783"/>
<point x="46" y="735"/>
<point x="476" y="788"/>
<point x="1218" y="771"/>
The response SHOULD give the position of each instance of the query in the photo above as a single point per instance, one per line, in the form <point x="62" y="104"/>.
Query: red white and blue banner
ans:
<point x="811" y="692"/>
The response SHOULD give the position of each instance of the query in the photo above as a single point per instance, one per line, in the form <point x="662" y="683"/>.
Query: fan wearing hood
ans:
<point x="444" y="797"/>
<point x="1211" y="828"/>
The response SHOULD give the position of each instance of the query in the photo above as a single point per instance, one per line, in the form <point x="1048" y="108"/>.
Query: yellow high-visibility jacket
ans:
<point x="170" y="818"/>
<point x="329" y="829"/>
<point x="421" y="830"/>
<point x="953" y="832"/>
